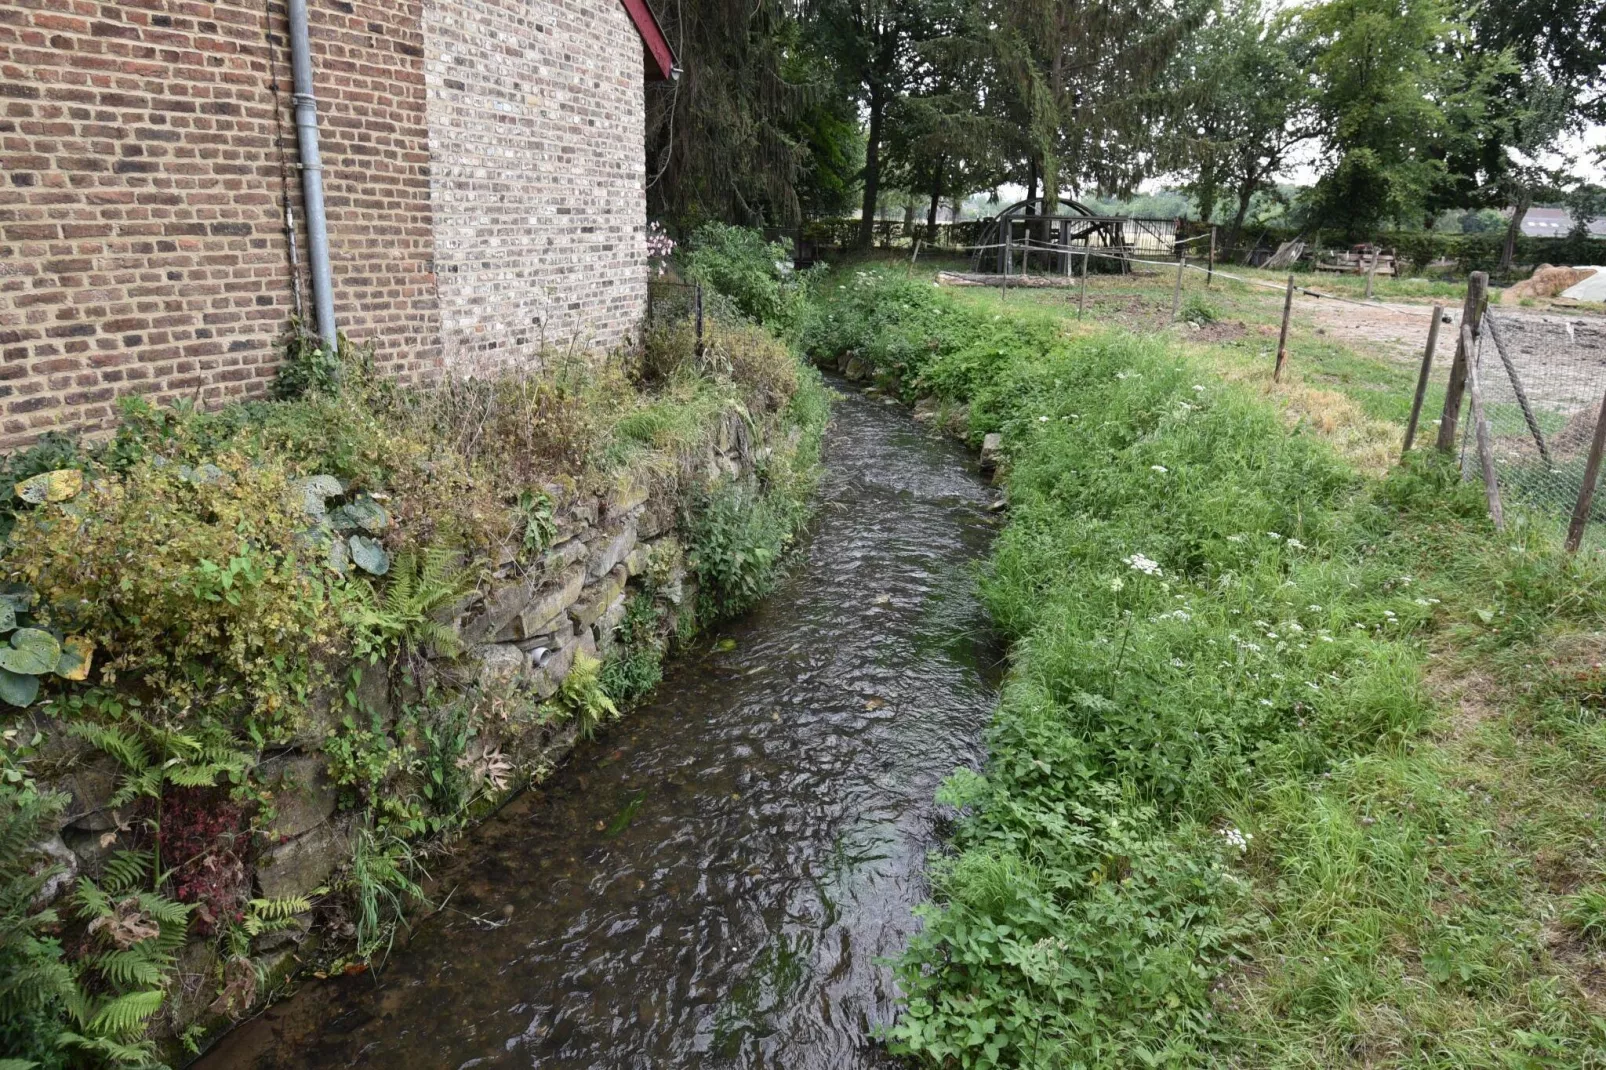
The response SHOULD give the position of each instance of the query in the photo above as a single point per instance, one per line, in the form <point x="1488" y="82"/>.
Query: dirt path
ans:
<point x="1394" y="331"/>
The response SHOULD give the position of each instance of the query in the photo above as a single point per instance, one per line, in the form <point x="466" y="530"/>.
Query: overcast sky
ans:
<point x="1309" y="166"/>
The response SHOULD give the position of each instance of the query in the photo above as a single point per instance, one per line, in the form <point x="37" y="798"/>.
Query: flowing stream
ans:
<point x="719" y="880"/>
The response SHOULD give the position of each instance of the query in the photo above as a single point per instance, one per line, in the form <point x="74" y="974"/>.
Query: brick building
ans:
<point x="483" y="171"/>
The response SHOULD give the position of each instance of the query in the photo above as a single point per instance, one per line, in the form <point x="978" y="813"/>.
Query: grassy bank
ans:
<point x="1297" y="764"/>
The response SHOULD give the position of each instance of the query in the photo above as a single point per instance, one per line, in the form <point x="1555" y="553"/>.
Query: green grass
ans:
<point x="1295" y="765"/>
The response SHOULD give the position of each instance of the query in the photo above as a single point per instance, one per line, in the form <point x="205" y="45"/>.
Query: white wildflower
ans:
<point x="1237" y="838"/>
<point x="1042" y="419"/>
<point x="1296" y="544"/>
<point x="1139" y="563"/>
<point x="1273" y="535"/>
<point x="1158" y="468"/>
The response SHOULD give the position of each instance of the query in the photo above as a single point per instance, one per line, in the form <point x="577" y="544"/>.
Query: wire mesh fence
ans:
<point x="1542" y="378"/>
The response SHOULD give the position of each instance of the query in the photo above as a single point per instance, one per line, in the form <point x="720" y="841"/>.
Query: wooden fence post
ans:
<point x="1210" y="273"/>
<point x="1176" y="295"/>
<point x="1371" y="269"/>
<point x="912" y="259"/>
<point x="1282" y="337"/>
<point x="698" y="348"/>
<point x="1471" y="315"/>
<point x="1586" y="490"/>
<point x="1480" y="428"/>
<point x="1081" y="297"/>
<point x="1422" y="379"/>
<point x="1009" y="259"/>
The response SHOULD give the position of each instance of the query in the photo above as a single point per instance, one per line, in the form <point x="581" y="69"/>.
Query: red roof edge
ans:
<point x="660" y="57"/>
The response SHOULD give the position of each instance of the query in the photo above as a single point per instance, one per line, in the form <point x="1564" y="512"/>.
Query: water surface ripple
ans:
<point x="718" y="880"/>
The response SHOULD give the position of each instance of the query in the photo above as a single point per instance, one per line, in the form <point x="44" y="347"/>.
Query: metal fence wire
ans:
<point x="1542" y="378"/>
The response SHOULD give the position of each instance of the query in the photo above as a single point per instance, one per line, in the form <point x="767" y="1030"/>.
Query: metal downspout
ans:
<point x="306" y="110"/>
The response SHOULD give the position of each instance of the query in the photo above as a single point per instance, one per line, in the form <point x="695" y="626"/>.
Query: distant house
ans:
<point x="1556" y="223"/>
<point x="483" y="162"/>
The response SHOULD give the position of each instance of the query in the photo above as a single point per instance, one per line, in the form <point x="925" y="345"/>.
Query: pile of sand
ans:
<point x="1546" y="281"/>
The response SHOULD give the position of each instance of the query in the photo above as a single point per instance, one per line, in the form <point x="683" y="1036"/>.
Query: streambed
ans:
<point x="717" y="881"/>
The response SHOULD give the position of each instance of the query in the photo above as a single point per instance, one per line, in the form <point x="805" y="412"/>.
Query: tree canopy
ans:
<point x="1408" y="110"/>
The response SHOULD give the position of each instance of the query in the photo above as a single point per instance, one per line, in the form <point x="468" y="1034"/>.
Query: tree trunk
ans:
<point x="936" y="200"/>
<point x="909" y="219"/>
<point x="1508" y="250"/>
<point x="1245" y="195"/>
<point x="1051" y="200"/>
<point x="872" y="167"/>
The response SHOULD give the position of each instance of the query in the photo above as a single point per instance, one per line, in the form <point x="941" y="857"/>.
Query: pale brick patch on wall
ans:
<point x="536" y="132"/>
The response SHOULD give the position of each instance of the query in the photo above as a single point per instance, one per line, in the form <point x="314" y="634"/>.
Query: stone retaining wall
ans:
<point x="521" y="632"/>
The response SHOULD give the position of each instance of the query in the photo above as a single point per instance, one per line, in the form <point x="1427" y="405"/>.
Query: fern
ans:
<point x="126" y="1055"/>
<point x="135" y="939"/>
<point x="36" y="984"/>
<point x="125" y="1016"/>
<point x="270" y="911"/>
<point x="152" y="756"/>
<point x="265" y="916"/>
<point x="127" y="969"/>
<point x="583" y="696"/>
<point x="124" y="870"/>
<point x="419" y="585"/>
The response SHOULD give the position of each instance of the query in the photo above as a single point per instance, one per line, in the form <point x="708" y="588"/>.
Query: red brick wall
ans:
<point x="368" y="66"/>
<point x="141" y="248"/>
<point x="142" y="242"/>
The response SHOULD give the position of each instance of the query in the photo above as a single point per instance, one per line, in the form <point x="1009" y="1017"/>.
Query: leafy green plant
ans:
<point x="1199" y="311"/>
<point x="54" y="452"/>
<point x="202" y="584"/>
<point x="735" y="537"/>
<point x="756" y="275"/>
<point x="308" y="365"/>
<point x="534" y="509"/>
<point x="636" y="666"/>
<point x="34" y="653"/>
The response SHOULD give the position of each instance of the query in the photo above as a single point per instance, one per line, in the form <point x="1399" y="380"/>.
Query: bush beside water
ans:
<point x="1210" y="749"/>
